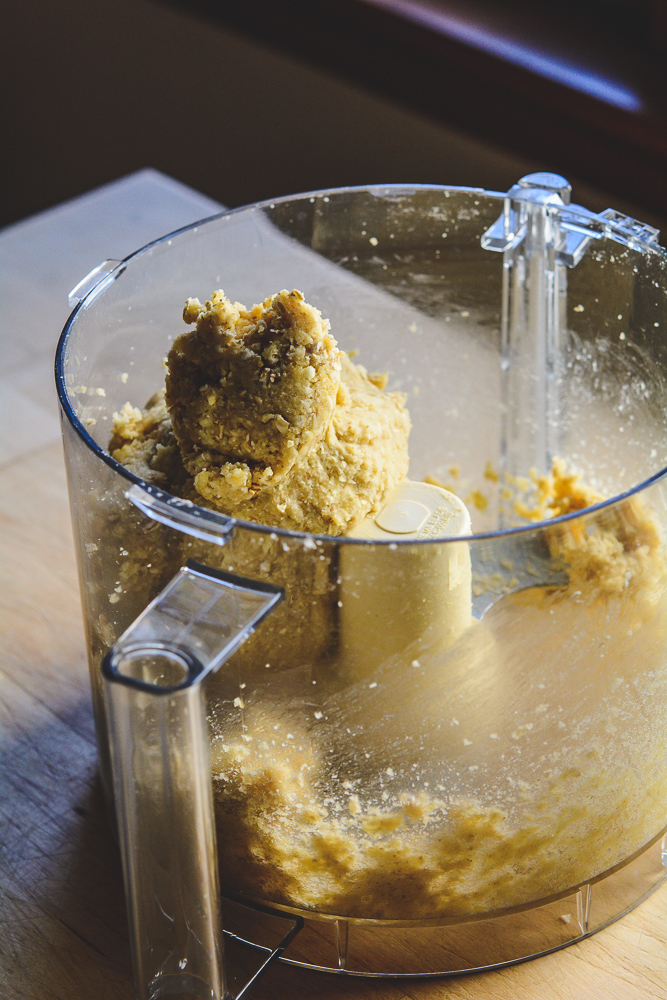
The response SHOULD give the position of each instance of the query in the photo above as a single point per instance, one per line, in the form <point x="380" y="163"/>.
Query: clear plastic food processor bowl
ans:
<point x="433" y="751"/>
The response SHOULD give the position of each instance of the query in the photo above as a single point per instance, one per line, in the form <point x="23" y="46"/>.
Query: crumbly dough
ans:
<point x="525" y="759"/>
<point x="486" y="777"/>
<point x="357" y="457"/>
<point x="361" y="456"/>
<point x="481" y="778"/>
<point x="144" y="442"/>
<point x="250" y="391"/>
<point x="318" y="454"/>
<point x="614" y="550"/>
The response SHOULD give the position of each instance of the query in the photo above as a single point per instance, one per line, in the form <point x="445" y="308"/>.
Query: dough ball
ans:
<point x="250" y="391"/>
<point x="360" y="457"/>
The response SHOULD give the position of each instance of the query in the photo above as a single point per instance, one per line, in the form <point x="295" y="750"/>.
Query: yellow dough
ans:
<point x="266" y="420"/>
<point x="143" y="441"/>
<point x="250" y="391"/>
<point x="522" y="759"/>
<point x="360" y="457"/>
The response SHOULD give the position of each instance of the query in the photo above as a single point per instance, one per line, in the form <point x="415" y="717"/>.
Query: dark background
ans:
<point x="252" y="99"/>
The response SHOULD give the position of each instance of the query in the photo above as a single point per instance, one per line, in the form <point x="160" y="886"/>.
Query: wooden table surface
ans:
<point x="63" y="932"/>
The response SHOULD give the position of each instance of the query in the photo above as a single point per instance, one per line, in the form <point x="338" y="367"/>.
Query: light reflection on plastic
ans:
<point x="583" y="80"/>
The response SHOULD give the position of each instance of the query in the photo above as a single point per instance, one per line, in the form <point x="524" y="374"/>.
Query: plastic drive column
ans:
<point x="394" y="594"/>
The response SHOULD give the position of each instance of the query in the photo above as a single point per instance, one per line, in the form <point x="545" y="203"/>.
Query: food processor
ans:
<point x="438" y="743"/>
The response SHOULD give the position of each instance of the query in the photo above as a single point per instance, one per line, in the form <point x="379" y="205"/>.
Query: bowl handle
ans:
<point x="154" y="695"/>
